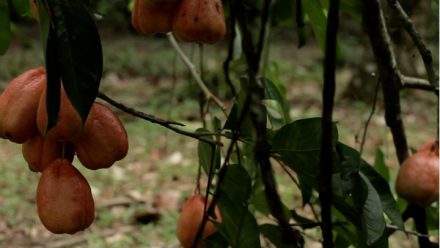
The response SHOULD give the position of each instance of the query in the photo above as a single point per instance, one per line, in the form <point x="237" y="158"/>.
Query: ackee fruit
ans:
<point x="18" y="105"/>
<point x="104" y="139"/>
<point x="190" y="219"/>
<point x="64" y="199"/>
<point x="417" y="180"/>
<point x="200" y="21"/>
<point x="69" y="124"/>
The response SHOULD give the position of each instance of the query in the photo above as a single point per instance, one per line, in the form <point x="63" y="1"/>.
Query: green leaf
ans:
<point x="367" y="200"/>
<point x="247" y="127"/>
<point x="299" y="144"/>
<point x="206" y="152"/>
<point x="386" y="197"/>
<point x="236" y="184"/>
<point x="78" y="52"/>
<point x="351" y="159"/>
<point x="216" y="240"/>
<point x="314" y="10"/>
<point x="53" y="81"/>
<point x="238" y="225"/>
<point x="274" y="234"/>
<point x="275" y="102"/>
<point x="379" y="164"/>
<point x="5" y="27"/>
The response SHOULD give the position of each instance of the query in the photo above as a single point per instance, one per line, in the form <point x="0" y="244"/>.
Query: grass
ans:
<point x="144" y="72"/>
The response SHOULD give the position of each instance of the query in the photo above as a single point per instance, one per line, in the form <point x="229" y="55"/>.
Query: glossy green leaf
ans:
<point x="53" y="80"/>
<point x="238" y="225"/>
<point x="298" y="144"/>
<point x="236" y="184"/>
<point x="367" y="200"/>
<point x="351" y="158"/>
<point x="206" y="152"/>
<point x="386" y="197"/>
<point x="5" y="27"/>
<point x="275" y="102"/>
<point x="78" y="52"/>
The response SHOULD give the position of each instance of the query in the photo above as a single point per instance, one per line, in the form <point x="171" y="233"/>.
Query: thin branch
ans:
<point x="418" y="83"/>
<point x="230" y="55"/>
<point x="208" y="94"/>
<point x="165" y="123"/>
<point x="396" y="228"/>
<point x="367" y="123"/>
<point x="418" y="41"/>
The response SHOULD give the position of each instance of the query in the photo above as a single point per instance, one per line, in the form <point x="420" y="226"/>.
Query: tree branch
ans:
<point x="418" y="83"/>
<point x="391" y="80"/>
<point x="156" y="120"/>
<point x="418" y="41"/>
<point x="229" y="57"/>
<point x="208" y="94"/>
<point x="389" y="74"/>
<point x="328" y="94"/>
<point x="255" y="93"/>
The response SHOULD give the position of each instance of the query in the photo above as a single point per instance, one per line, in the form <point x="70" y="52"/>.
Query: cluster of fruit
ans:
<point x="418" y="177"/>
<point x="199" y="21"/>
<point x="190" y="220"/>
<point x="64" y="199"/>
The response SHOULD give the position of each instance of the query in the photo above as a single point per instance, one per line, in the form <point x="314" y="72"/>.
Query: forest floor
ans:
<point x="137" y="199"/>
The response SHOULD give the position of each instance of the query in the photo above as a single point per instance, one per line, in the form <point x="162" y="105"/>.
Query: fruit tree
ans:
<point x="247" y="137"/>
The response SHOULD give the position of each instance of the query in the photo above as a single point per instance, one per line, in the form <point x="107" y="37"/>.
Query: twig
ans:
<point x="396" y="228"/>
<point x="230" y="55"/>
<point x="208" y="94"/>
<point x="418" y="41"/>
<point x="418" y="83"/>
<point x="165" y="123"/>
<point x="367" y="123"/>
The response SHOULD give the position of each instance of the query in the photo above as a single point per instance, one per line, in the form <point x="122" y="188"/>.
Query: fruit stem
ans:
<point x="208" y="94"/>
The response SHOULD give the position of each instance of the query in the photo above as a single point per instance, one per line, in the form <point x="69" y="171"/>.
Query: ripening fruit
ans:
<point x="417" y="180"/>
<point x="153" y="16"/>
<point x="64" y="199"/>
<point x="190" y="219"/>
<point x="69" y="124"/>
<point x="39" y="151"/>
<point x="18" y="105"/>
<point x="104" y="140"/>
<point x="200" y="21"/>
